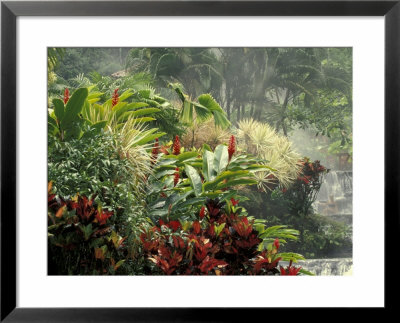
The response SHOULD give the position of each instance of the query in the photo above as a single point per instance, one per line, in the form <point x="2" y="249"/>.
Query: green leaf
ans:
<point x="143" y="112"/>
<point x="51" y="120"/>
<point x="144" y="119"/>
<point x="209" y="102"/>
<point x="221" y="158"/>
<point x="52" y="125"/>
<point x="242" y="181"/>
<point x="136" y="105"/>
<point x="206" y="147"/>
<point x="187" y="112"/>
<point x="287" y="256"/>
<point x="194" y="179"/>
<point x="212" y="106"/>
<point x="149" y="137"/>
<point x="208" y="165"/>
<point x="202" y="113"/>
<point x="58" y="108"/>
<point x="219" y="228"/>
<point x="196" y="201"/>
<point x="228" y="175"/>
<point x="74" y="129"/>
<point x="125" y="95"/>
<point x="178" y="89"/>
<point x="74" y="106"/>
<point x="187" y="155"/>
<point x="164" y="173"/>
<point x="99" y="125"/>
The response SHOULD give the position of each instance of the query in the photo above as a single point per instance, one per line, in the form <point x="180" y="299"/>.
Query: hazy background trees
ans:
<point x="301" y="92"/>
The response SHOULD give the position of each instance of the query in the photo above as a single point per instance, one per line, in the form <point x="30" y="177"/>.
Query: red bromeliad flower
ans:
<point x="232" y="146"/>
<point x="176" y="176"/>
<point x="234" y="202"/>
<point x="176" y="150"/>
<point x="115" y="98"/>
<point x="103" y="216"/>
<point x="66" y="95"/>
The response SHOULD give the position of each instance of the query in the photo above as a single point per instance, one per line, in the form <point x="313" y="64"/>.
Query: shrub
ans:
<point x="85" y="238"/>
<point x="303" y="192"/>
<point x="219" y="242"/>
<point x="206" y="132"/>
<point x="262" y="141"/>
<point x="92" y="165"/>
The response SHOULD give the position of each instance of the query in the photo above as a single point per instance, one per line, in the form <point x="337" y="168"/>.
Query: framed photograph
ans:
<point x="192" y="153"/>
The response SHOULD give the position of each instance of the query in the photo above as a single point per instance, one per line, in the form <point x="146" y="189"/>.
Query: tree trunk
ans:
<point x="252" y="110"/>
<point x="284" y="106"/>
<point x="238" y="113"/>
<point x="228" y="103"/>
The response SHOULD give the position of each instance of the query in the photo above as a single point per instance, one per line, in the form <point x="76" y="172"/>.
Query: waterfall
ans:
<point x="335" y="198"/>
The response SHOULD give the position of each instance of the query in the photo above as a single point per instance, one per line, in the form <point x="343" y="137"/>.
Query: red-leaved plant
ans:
<point x="81" y="238"/>
<point x="302" y="194"/>
<point x="218" y="243"/>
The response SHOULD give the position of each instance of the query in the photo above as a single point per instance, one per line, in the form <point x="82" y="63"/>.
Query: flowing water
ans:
<point x="335" y="198"/>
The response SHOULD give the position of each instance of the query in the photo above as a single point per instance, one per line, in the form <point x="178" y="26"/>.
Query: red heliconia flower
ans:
<point x="66" y="95"/>
<point x="155" y="151"/>
<point x="232" y="146"/>
<point x="202" y="212"/>
<point x="176" y="176"/>
<point x="276" y="243"/>
<point x="103" y="216"/>
<point x="115" y="98"/>
<point x="177" y="146"/>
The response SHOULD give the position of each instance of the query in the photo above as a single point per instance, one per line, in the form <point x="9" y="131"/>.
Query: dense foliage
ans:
<point x="160" y="159"/>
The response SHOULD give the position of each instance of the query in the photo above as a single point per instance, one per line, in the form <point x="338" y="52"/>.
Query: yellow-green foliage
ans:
<point x="133" y="138"/>
<point x="206" y="132"/>
<point x="130" y="134"/>
<point x="263" y="141"/>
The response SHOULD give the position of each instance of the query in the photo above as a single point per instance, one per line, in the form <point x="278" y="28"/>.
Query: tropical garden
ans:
<point x="184" y="161"/>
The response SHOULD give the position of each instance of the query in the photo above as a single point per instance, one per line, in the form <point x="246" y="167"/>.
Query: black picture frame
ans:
<point x="10" y="10"/>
